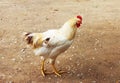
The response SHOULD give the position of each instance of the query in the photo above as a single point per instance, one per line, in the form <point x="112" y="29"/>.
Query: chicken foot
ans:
<point x="54" y="70"/>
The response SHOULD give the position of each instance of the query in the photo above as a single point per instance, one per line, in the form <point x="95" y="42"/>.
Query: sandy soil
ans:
<point x="94" y="56"/>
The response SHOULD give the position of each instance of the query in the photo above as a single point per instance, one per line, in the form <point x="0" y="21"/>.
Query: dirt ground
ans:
<point x="94" y="57"/>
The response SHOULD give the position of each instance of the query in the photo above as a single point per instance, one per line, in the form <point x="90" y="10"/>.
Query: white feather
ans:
<point x="57" y="44"/>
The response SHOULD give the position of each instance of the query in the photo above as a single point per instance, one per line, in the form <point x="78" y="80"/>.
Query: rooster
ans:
<point x="53" y="42"/>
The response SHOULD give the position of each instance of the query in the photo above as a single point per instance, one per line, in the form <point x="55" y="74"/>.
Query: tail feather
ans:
<point x="26" y="34"/>
<point x="33" y="39"/>
<point x="29" y="40"/>
<point x="28" y="37"/>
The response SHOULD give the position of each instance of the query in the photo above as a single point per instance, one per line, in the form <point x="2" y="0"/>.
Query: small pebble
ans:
<point x="56" y="10"/>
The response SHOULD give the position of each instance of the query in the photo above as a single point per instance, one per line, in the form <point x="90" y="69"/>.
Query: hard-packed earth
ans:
<point x="94" y="57"/>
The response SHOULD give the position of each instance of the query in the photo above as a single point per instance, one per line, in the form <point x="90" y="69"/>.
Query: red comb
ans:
<point x="80" y="17"/>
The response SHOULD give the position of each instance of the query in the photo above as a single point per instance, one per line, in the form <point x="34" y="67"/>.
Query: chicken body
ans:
<point x="51" y="43"/>
<point x="57" y="44"/>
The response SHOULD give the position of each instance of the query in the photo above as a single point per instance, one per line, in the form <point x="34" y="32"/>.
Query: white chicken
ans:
<point x="51" y="43"/>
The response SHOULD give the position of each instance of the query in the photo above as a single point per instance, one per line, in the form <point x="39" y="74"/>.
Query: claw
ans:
<point x="61" y="72"/>
<point x="57" y="73"/>
<point x="43" y="73"/>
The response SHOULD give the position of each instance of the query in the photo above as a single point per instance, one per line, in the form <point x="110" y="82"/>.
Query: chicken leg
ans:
<point x="42" y="68"/>
<point x="55" y="70"/>
<point x="53" y="67"/>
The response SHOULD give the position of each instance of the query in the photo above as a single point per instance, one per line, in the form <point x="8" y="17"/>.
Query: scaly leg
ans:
<point x="55" y="70"/>
<point x="42" y="68"/>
